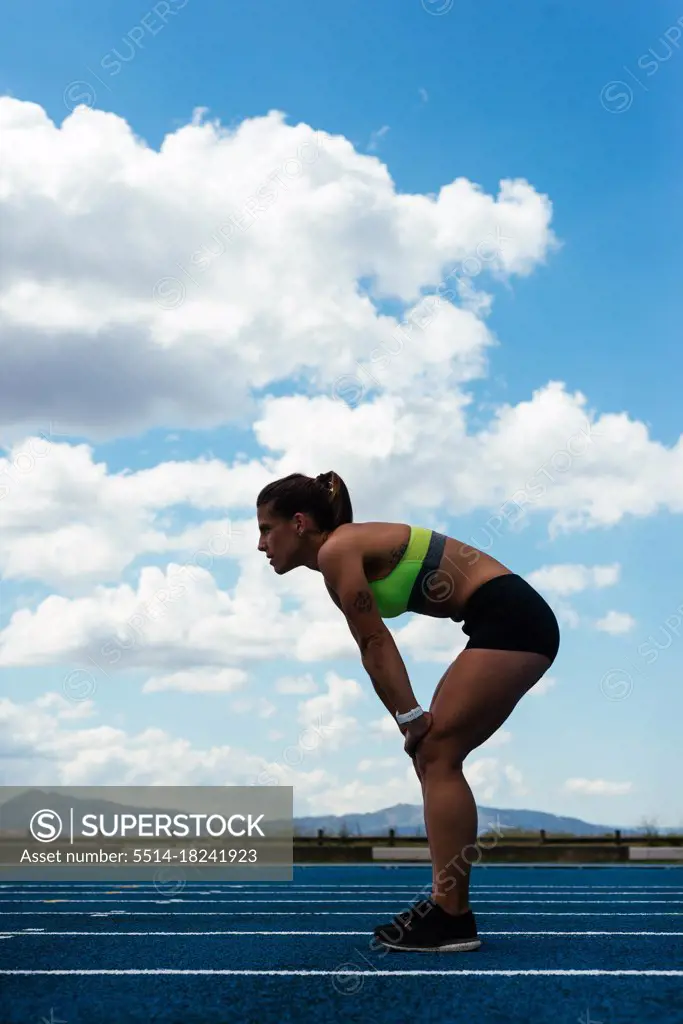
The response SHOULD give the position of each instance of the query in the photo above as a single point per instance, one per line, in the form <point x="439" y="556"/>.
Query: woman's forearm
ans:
<point x="384" y="664"/>
<point x="382" y="696"/>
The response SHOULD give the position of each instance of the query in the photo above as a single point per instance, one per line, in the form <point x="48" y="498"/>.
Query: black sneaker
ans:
<point x="420" y="907"/>
<point x="432" y="930"/>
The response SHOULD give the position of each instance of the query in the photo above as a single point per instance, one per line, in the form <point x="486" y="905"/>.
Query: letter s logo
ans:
<point x="45" y="826"/>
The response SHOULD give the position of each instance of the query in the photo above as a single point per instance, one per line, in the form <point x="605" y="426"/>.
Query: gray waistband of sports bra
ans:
<point x="420" y="590"/>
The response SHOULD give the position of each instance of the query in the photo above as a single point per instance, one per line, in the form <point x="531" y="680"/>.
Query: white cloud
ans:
<point x="171" y="614"/>
<point x="566" y="615"/>
<point x="483" y="776"/>
<point x="326" y="712"/>
<point x="368" y="764"/>
<point x="207" y="680"/>
<point x="597" y="787"/>
<point x="543" y="686"/>
<point x="359" y="796"/>
<point x="616" y="623"/>
<point x="384" y="726"/>
<point x="516" y="780"/>
<point x="260" y="707"/>
<point x="572" y="579"/>
<point x="556" y="581"/>
<point x="70" y="522"/>
<point x="488" y="778"/>
<point x="179" y="347"/>
<point x="500" y="738"/>
<point x="42" y="746"/>
<point x="430" y="640"/>
<point x="251" y="318"/>
<point x="296" y="684"/>
<point x="179" y="618"/>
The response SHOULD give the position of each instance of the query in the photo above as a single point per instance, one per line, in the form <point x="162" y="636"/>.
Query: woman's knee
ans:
<point x="445" y="749"/>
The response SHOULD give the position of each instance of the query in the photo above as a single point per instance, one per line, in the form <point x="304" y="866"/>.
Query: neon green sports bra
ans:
<point x="403" y="590"/>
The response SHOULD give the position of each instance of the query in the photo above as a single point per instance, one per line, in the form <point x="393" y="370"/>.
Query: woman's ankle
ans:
<point x="456" y="907"/>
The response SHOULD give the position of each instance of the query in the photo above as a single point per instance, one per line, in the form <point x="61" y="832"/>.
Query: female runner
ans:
<point x="375" y="571"/>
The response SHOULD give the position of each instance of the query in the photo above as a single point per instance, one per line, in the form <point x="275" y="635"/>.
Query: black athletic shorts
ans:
<point x="507" y="614"/>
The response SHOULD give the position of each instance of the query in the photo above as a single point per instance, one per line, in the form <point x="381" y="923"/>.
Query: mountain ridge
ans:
<point x="406" y="819"/>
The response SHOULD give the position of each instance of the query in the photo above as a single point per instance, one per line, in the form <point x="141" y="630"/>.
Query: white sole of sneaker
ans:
<point x="453" y="947"/>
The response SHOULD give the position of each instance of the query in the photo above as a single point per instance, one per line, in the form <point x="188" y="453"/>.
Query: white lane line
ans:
<point x="322" y="885"/>
<point x="91" y="934"/>
<point x="189" y="887"/>
<point x="548" y="972"/>
<point x="307" y="902"/>
<point x="346" y="891"/>
<point x="322" y="913"/>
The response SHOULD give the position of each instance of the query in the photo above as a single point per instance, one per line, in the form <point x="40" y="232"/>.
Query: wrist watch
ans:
<point x="409" y="716"/>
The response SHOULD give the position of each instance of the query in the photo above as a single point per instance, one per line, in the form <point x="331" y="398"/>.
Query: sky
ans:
<point x="433" y="245"/>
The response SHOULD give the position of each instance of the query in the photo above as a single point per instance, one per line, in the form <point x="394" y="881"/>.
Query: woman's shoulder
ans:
<point x="372" y="527"/>
<point x="369" y="537"/>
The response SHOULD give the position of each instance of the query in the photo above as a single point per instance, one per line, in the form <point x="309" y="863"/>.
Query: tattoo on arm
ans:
<point x="397" y="554"/>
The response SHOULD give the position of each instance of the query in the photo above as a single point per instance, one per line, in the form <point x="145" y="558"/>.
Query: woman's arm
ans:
<point x="341" y="564"/>
<point x="377" y="688"/>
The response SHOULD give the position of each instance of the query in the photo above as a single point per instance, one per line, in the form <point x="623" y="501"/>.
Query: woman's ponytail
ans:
<point x="337" y="496"/>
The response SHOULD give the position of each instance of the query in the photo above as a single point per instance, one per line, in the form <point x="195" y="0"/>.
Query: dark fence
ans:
<point x="389" y="838"/>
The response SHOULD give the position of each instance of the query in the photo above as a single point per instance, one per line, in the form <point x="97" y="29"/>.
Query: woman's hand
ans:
<point x="414" y="731"/>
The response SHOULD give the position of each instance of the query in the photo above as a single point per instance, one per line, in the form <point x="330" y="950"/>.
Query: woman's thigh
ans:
<point x="474" y="698"/>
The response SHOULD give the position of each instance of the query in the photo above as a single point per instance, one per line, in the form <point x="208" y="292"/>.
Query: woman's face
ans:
<point x="279" y="539"/>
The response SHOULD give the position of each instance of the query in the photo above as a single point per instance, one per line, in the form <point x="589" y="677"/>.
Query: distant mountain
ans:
<point x="408" y="820"/>
<point x="405" y="819"/>
<point x="16" y="813"/>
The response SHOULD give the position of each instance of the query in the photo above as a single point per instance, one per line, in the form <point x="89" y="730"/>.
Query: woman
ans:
<point x="375" y="571"/>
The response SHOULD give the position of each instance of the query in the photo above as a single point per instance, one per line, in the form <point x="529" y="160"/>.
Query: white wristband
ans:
<point x="409" y="716"/>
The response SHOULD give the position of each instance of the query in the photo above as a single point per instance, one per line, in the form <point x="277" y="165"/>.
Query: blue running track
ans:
<point x="581" y="945"/>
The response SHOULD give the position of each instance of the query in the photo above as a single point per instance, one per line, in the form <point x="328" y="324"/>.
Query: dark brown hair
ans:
<point x="324" y="497"/>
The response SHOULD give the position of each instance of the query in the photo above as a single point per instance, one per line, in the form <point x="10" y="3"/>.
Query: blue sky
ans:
<point x="579" y="102"/>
